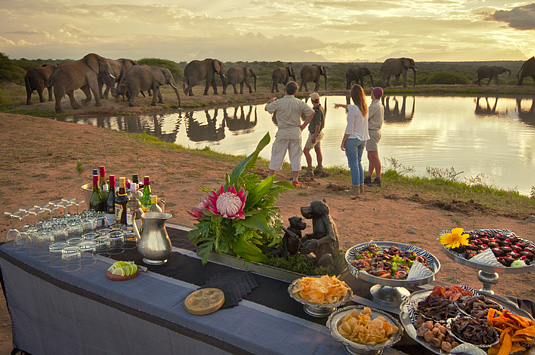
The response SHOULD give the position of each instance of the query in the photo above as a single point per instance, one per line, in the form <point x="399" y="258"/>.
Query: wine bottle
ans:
<point x="154" y="204"/>
<point x="103" y="186"/>
<point x="120" y="202"/>
<point x="133" y="206"/>
<point x="145" y="199"/>
<point x="110" y="203"/>
<point x="95" y="203"/>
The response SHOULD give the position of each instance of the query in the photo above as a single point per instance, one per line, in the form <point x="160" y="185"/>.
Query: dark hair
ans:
<point x="359" y="98"/>
<point x="291" y="87"/>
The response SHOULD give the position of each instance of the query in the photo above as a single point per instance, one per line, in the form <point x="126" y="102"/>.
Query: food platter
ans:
<point x="336" y="318"/>
<point x="408" y="316"/>
<point x="488" y="275"/>
<point x="315" y="309"/>
<point x="389" y="292"/>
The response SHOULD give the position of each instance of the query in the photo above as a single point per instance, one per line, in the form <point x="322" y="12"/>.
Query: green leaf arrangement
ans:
<point x="240" y="223"/>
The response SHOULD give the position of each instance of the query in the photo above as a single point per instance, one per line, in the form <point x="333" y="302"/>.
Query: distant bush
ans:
<point x="175" y="69"/>
<point x="9" y="72"/>
<point x="446" y="78"/>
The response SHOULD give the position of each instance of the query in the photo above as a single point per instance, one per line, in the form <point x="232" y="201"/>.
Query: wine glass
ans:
<point x="77" y="202"/>
<point x="12" y="232"/>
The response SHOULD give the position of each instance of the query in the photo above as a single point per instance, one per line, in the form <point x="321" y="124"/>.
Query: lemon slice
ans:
<point x="119" y="271"/>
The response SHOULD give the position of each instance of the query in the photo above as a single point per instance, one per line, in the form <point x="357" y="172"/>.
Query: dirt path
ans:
<point x="39" y="159"/>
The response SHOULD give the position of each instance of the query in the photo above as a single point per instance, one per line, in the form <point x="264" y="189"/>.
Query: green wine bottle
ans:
<point x="95" y="203"/>
<point x="146" y="198"/>
<point x="110" y="202"/>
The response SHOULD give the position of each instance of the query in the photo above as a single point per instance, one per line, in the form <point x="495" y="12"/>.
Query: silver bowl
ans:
<point x="390" y="292"/>
<point x="315" y="309"/>
<point x="335" y="320"/>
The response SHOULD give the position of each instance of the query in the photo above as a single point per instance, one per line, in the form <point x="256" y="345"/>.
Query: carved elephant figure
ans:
<point x="357" y="75"/>
<point x="198" y="70"/>
<point x="281" y="75"/>
<point x="139" y="78"/>
<point x="396" y="67"/>
<point x="36" y="79"/>
<point x="240" y="75"/>
<point x="527" y="69"/>
<point x="491" y="72"/>
<point x="79" y="74"/>
<point x="117" y="67"/>
<point x="313" y="73"/>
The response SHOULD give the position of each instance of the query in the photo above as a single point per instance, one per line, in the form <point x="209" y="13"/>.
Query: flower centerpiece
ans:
<point x="454" y="239"/>
<point x="239" y="217"/>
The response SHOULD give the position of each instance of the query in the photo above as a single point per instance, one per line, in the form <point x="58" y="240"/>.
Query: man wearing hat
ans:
<point x="376" y="114"/>
<point x="315" y="129"/>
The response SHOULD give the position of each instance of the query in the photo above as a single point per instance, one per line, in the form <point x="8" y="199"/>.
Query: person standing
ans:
<point x="355" y="136"/>
<point x="376" y="117"/>
<point x="288" y="137"/>
<point x="315" y="135"/>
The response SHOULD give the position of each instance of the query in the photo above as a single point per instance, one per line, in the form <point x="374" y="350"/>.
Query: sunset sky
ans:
<point x="269" y="30"/>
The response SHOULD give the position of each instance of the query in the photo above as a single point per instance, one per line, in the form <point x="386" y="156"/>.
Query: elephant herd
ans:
<point x="127" y="78"/>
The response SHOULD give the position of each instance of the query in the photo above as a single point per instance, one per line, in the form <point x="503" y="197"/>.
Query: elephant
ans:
<point x="240" y="75"/>
<point x="281" y="75"/>
<point x="491" y="72"/>
<point x="396" y="67"/>
<point x="198" y="70"/>
<point x="36" y="79"/>
<point x="121" y="91"/>
<point x="527" y="69"/>
<point x="79" y="74"/>
<point x="145" y="77"/>
<point x="357" y="74"/>
<point x="313" y="73"/>
<point x="118" y="67"/>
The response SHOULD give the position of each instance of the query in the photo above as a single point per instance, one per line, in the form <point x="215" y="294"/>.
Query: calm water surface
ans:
<point x="475" y="135"/>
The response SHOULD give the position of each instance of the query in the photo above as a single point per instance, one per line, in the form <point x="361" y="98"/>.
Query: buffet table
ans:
<point x="55" y="312"/>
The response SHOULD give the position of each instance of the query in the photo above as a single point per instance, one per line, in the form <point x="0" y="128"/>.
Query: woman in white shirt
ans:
<point x="355" y="136"/>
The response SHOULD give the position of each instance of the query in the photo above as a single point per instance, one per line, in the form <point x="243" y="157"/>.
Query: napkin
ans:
<point x="486" y="257"/>
<point x="236" y="285"/>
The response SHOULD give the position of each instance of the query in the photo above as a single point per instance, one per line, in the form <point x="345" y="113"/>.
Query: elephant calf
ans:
<point x="36" y="79"/>
<point x="138" y="78"/>
<point x="491" y="72"/>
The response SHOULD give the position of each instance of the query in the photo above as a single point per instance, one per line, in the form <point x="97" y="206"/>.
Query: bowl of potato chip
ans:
<point x="320" y="295"/>
<point x="364" y="330"/>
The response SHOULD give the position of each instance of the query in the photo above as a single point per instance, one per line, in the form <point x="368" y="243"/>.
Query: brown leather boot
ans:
<point x="355" y="192"/>
<point x="361" y="189"/>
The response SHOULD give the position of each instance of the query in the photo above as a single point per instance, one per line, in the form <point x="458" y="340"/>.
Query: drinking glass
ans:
<point x="55" y="249"/>
<point x="74" y="241"/>
<point x="102" y="244"/>
<point x="130" y="240"/>
<point x="20" y="215"/>
<point x="89" y="253"/>
<point x="23" y="242"/>
<point x="42" y="243"/>
<point x="116" y="242"/>
<point x="71" y="258"/>
<point x="89" y="236"/>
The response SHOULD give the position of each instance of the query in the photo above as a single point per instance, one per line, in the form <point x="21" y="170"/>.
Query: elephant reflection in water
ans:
<point x="481" y="110"/>
<point x="198" y="132"/>
<point x="157" y="123"/>
<point x="241" y="121"/>
<point x="395" y="113"/>
<point x="526" y="116"/>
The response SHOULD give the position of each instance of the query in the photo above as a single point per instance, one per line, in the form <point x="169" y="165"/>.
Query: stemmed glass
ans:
<point x="77" y="202"/>
<point x="12" y="232"/>
<point x="68" y="202"/>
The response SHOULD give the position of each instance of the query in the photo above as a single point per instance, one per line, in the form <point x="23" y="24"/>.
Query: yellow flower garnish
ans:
<point x="454" y="239"/>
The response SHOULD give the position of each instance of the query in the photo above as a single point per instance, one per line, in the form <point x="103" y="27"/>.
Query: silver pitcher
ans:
<point x="154" y="243"/>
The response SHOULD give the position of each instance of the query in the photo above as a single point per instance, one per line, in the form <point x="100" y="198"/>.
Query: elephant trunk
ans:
<point x="254" y="83"/>
<point x="371" y="78"/>
<point x="176" y="92"/>
<point x="414" y="80"/>
<point x="325" y="82"/>
<point x="508" y="71"/>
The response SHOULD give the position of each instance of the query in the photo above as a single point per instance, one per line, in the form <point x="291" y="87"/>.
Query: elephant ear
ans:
<point x="158" y="74"/>
<point x="92" y="61"/>
<point x="217" y="66"/>
<point x="405" y="62"/>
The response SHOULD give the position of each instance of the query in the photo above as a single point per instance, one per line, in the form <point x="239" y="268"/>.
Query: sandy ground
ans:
<point x="39" y="159"/>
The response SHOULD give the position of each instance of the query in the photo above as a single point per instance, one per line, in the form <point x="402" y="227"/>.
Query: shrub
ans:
<point x="9" y="72"/>
<point x="447" y="78"/>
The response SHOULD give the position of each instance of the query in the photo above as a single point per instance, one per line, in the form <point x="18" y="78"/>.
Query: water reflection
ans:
<point x="207" y="131"/>
<point x="527" y="116"/>
<point x="396" y="114"/>
<point x="441" y="132"/>
<point x="240" y="121"/>
<point x="486" y="110"/>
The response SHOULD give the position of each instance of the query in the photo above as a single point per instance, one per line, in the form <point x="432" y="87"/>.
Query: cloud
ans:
<point x="522" y="17"/>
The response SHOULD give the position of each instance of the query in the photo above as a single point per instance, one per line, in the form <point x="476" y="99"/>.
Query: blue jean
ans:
<point x="354" y="149"/>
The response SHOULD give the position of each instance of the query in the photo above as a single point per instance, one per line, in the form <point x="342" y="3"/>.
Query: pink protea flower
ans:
<point x="197" y="212"/>
<point x="228" y="204"/>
